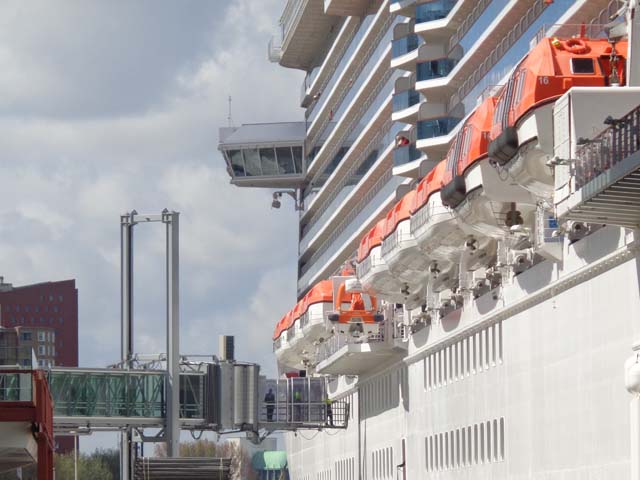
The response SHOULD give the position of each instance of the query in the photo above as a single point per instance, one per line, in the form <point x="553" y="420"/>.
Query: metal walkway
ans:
<point x="87" y="400"/>
<point x="111" y="399"/>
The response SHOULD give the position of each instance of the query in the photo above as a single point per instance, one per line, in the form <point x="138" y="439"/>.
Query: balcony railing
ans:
<point x="428" y="12"/>
<point x="405" y="99"/>
<point x="434" y="69"/>
<point x="609" y="148"/>
<point x="404" y="155"/>
<point x="436" y="127"/>
<point x="404" y="45"/>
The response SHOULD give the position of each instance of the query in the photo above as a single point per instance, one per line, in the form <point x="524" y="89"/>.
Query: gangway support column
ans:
<point x="127" y="223"/>
<point x="172" y="430"/>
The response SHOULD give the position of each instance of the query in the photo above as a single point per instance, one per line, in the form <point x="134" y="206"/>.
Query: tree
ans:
<point x="100" y="465"/>
<point x="89" y="466"/>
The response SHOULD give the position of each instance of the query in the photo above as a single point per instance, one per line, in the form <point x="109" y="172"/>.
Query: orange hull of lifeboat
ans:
<point x="522" y="131"/>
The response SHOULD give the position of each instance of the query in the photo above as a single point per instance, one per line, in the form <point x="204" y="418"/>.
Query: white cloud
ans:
<point x="110" y="106"/>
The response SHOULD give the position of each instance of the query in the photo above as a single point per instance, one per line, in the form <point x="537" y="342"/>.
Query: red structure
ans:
<point x="38" y="411"/>
<point x="47" y="306"/>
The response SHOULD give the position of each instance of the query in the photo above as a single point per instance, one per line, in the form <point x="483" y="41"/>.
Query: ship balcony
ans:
<point x="423" y="53"/>
<point x="406" y="8"/>
<point x="348" y="8"/>
<point x="268" y="155"/>
<point x="406" y="106"/>
<point x="410" y="162"/>
<point x="432" y="77"/>
<point x="404" y="47"/>
<point x="456" y="17"/>
<point x="433" y="128"/>
<point x="598" y="180"/>
<point x="343" y="354"/>
<point x="304" y="29"/>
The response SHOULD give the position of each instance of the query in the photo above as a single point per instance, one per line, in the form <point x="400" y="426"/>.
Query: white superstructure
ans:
<point x="468" y="181"/>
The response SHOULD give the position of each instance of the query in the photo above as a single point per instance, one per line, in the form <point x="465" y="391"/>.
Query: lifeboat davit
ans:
<point x="522" y="132"/>
<point x="400" y="251"/>
<point x="371" y="269"/>
<point x="485" y="199"/>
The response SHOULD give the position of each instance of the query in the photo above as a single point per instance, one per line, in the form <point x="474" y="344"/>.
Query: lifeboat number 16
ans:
<point x="543" y="80"/>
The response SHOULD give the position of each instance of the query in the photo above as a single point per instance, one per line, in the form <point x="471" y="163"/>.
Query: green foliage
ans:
<point x="89" y="466"/>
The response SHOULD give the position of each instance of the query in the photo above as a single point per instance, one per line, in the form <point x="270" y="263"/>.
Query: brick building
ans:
<point x="50" y="307"/>
<point x="46" y="315"/>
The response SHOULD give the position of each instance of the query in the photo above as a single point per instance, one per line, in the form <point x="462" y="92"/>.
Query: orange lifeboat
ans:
<point x="372" y="270"/>
<point x="481" y="197"/>
<point x="317" y="303"/>
<point x="522" y="131"/>
<point x="436" y="230"/>
<point x="356" y="312"/>
<point x="284" y="352"/>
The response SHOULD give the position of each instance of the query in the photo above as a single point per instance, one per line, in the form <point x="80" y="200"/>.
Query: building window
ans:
<point x="60" y="298"/>
<point x="41" y="350"/>
<point x="13" y="320"/>
<point x="17" y="308"/>
<point x="55" y="309"/>
<point x="26" y="362"/>
<point x="26" y="308"/>
<point x="51" y="298"/>
<point x="25" y="336"/>
<point x="42" y="298"/>
<point x="61" y="320"/>
<point x="42" y="336"/>
<point x="36" y="309"/>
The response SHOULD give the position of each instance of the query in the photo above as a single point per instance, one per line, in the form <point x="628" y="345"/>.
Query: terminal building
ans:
<point x="44" y="317"/>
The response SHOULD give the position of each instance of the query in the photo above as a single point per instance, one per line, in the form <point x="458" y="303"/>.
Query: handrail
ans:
<point x="609" y="148"/>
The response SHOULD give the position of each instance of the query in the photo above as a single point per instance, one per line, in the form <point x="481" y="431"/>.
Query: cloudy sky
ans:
<point x="107" y="106"/>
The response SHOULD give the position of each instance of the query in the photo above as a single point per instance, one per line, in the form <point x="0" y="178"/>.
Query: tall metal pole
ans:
<point x="172" y="429"/>
<point x="126" y="324"/>
<point x="633" y="31"/>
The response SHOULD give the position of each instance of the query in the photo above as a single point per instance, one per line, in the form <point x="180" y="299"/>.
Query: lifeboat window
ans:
<point x="583" y="66"/>
<point x="520" y="81"/>
<point x="466" y="145"/>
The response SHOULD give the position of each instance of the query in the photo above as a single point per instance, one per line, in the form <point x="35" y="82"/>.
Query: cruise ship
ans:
<point x="467" y="177"/>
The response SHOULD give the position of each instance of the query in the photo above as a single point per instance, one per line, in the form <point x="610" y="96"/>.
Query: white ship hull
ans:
<point x="537" y="367"/>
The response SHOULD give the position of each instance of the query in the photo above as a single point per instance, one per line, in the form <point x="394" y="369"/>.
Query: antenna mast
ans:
<point x="229" y="118"/>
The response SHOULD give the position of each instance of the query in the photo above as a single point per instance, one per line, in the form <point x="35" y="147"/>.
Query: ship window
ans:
<point x="252" y="162"/>
<point x="235" y="157"/>
<point x="583" y="66"/>
<point x="268" y="161"/>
